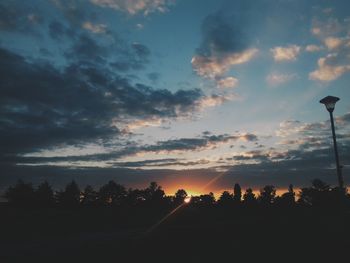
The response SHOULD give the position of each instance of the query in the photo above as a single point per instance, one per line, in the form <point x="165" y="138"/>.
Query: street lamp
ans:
<point x="330" y="102"/>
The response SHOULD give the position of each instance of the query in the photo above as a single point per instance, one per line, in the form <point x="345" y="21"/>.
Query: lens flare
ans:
<point x="187" y="199"/>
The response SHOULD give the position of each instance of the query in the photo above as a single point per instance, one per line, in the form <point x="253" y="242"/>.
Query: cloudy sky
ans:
<point x="193" y="94"/>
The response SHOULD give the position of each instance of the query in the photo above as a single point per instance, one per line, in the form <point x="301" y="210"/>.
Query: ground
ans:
<point x="189" y="235"/>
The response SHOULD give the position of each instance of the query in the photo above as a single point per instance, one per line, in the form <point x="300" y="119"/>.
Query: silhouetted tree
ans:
<point x="21" y="194"/>
<point x="339" y="198"/>
<point x="154" y="194"/>
<point x="135" y="197"/>
<point x="207" y="200"/>
<point x="180" y="196"/>
<point x="89" y="196"/>
<point x="70" y="197"/>
<point x="112" y="193"/>
<point x="44" y="195"/>
<point x="225" y="199"/>
<point x="249" y="198"/>
<point x="237" y="193"/>
<point x="286" y="199"/>
<point x="319" y="194"/>
<point x="320" y="186"/>
<point x="267" y="195"/>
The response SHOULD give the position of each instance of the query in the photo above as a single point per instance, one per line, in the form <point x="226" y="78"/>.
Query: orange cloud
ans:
<point x="215" y="65"/>
<point x="135" y="6"/>
<point x="328" y="71"/>
<point x="288" y="53"/>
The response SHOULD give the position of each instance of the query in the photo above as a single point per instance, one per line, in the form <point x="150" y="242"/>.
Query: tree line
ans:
<point x="112" y="194"/>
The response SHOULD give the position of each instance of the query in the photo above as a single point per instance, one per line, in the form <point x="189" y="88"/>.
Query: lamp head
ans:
<point x="329" y="102"/>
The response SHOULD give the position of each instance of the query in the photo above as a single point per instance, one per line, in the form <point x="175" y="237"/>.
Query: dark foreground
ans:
<point x="189" y="235"/>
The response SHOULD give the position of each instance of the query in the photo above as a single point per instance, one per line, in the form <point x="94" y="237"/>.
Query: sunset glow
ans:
<point x="174" y="130"/>
<point x="165" y="91"/>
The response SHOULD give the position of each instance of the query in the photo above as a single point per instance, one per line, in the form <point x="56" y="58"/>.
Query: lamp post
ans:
<point x="329" y="102"/>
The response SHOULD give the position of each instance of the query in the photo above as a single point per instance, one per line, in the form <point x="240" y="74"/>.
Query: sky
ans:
<point x="192" y="94"/>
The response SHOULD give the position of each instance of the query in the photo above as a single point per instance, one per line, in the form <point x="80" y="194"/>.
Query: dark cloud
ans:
<point x="120" y="56"/>
<point x="131" y="57"/>
<point x="122" y="66"/>
<point x="305" y="158"/>
<point x="131" y="148"/>
<point x="250" y="137"/>
<point x="19" y="17"/>
<point x="86" y="48"/>
<point x="237" y="25"/>
<point x="226" y="42"/>
<point x="75" y="11"/>
<point x="255" y="168"/>
<point x="8" y="17"/>
<point x="186" y="144"/>
<point x="160" y="163"/>
<point x="221" y="35"/>
<point x="154" y="76"/>
<point x="298" y="167"/>
<point x="156" y="162"/>
<point x="231" y="28"/>
<point x="57" y="30"/>
<point x="321" y="157"/>
<point x="257" y="156"/>
<point x="141" y="50"/>
<point x="313" y="135"/>
<point x="343" y="120"/>
<point x="45" y="52"/>
<point x="298" y="171"/>
<point x="80" y="24"/>
<point x="42" y="106"/>
<point x="91" y="41"/>
<point x="184" y="163"/>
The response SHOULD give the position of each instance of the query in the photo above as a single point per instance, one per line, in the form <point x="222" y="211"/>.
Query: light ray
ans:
<point x="212" y="181"/>
<point x="152" y="228"/>
<point x="164" y="218"/>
